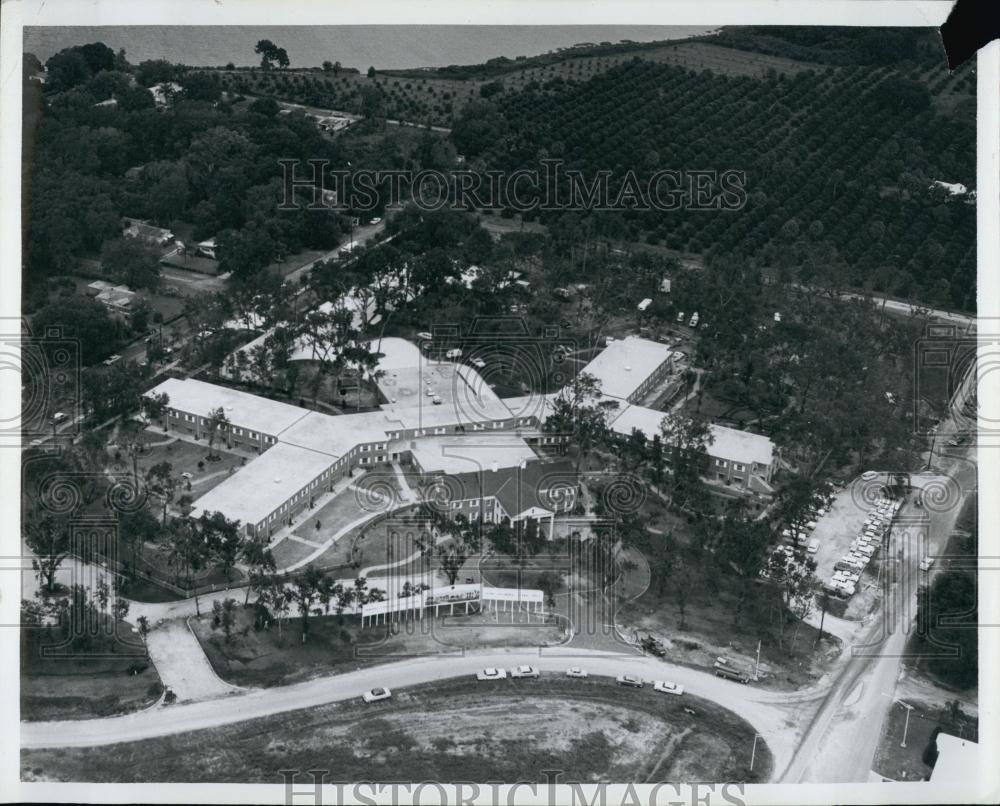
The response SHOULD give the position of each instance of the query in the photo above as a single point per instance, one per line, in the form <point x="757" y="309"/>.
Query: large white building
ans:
<point x="442" y="417"/>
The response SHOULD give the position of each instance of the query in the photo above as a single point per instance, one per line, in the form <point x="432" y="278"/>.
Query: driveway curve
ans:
<point x="766" y="711"/>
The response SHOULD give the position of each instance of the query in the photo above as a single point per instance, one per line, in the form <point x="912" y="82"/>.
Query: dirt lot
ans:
<point x="589" y="730"/>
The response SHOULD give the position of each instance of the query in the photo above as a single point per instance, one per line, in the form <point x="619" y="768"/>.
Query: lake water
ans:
<point x="382" y="46"/>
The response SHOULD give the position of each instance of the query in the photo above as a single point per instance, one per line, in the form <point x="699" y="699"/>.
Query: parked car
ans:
<point x="628" y="680"/>
<point x="667" y="687"/>
<point x="376" y="694"/>
<point x="524" y="671"/>
<point x="478" y="363"/>
<point x="112" y="359"/>
<point x="576" y="671"/>
<point x="813" y="546"/>
<point x="869" y="475"/>
<point x="376" y="220"/>
<point x="423" y="334"/>
<point x="187" y="476"/>
<point x="491" y="674"/>
<point x="926" y="563"/>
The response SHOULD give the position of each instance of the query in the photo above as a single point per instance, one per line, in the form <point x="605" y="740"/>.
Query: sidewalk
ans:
<point x="306" y="514"/>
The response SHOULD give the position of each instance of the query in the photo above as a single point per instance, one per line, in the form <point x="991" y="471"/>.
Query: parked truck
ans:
<point x="722" y="669"/>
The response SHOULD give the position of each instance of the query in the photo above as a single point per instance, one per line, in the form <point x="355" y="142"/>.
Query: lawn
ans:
<point x="270" y="657"/>
<point x="81" y="686"/>
<point x="907" y="763"/>
<point x="185" y="456"/>
<point x="589" y="730"/>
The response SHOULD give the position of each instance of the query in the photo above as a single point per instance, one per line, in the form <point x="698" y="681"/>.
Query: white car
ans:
<point x="478" y="363"/>
<point x="376" y="220"/>
<point x="376" y="694"/>
<point x="813" y="546"/>
<point x="576" y="671"/>
<point x="423" y="334"/>
<point x="492" y="674"/>
<point x="628" y="680"/>
<point x="926" y="563"/>
<point x="187" y="476"/>
<point x="869" y="475"/>
<point x="524" y="671"/>
<point x="667" y="687"/>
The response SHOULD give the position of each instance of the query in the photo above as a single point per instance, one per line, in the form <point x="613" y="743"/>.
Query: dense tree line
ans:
<point x="199" y="163"/>
<point x="837" y="45"/>
<point x="838" y="163"/>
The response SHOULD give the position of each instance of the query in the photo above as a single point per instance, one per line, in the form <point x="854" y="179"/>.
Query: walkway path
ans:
<point x="406" y="492"/>
<point x="368" y="516"/>
<point x="182" y="664"/>
<point x="320" y="501"/>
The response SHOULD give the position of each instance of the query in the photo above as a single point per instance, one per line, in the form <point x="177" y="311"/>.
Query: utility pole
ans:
<point x="906" y="726"/>
<point x="756" y="671"/>
<point x="753" y="753"/>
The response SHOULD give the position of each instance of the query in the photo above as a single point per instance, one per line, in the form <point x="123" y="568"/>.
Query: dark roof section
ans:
<point x="538" y="484"/>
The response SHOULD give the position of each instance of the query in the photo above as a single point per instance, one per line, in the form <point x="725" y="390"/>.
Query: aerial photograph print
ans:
<point x="408" y="412"/>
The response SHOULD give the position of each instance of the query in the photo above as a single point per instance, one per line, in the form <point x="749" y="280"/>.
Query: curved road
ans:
<point x="766" y="711"/>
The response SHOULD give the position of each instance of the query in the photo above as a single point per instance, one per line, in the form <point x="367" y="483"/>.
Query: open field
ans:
<point x="508" y="730"/>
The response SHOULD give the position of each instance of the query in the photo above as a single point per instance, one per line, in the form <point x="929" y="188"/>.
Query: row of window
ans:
<point x="725" y="463"/>
<point x="190" y="418"/>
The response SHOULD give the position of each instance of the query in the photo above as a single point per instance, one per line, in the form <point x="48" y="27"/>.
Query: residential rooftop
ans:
<point x="242" y="409"/>
<point x="263" y="485"/>
<point x="726" y="443"/>
<point x="471" y="452"/>
<point x="625" y="364"/>
<point x="537" y="486"/>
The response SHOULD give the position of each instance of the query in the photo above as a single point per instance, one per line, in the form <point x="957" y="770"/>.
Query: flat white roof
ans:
<point x="244" y="410"/>
<point x="958" y="760"/>
<point x="625" y="364"/>
<point x="470" y="453"/>
<point x="740" y="446"/>
<point x="264" y="484"/>
<point x="726" y="443"/>
<point x="335" y="435"/>
<point x="646" y="421"/>
<point x="397" y="353"/>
